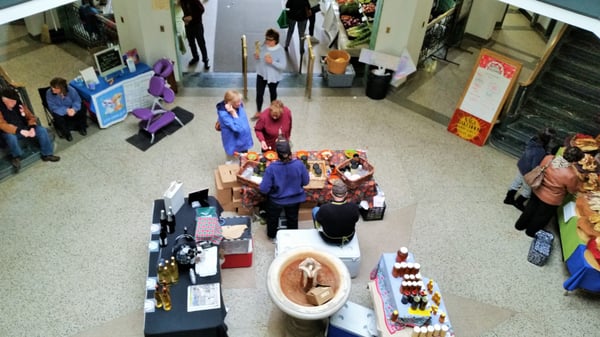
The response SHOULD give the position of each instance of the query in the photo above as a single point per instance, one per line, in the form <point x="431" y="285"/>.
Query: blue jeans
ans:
<point x="314" y="215"/>
<point x="41" y="134"/>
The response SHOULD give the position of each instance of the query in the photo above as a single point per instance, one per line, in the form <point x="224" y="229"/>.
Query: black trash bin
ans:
<point x="377" y="84"/>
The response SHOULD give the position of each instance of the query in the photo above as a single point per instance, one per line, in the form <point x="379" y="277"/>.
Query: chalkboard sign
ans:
<point x="109" y="61"/>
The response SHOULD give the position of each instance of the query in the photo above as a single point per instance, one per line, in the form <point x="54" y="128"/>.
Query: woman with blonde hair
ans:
<point x="275" y="122"/>
<point x="235" y="129"/>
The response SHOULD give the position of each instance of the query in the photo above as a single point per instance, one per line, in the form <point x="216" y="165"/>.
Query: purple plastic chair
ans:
<point x="157" y="116"/>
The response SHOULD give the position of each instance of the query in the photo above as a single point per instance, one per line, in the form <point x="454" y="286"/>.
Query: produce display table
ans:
<point x="385" y="293"/>
<point x="366" y="191"/>
<point x="178" y="321"/>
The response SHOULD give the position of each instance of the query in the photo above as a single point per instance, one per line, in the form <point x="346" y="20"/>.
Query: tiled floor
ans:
<point x="75" y="233"/>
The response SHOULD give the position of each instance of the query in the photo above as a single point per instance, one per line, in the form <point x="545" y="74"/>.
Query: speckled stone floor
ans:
<point x="74" y="234"/>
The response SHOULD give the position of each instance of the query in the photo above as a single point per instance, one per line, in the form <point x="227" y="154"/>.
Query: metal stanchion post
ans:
<point x="245" y="66"/>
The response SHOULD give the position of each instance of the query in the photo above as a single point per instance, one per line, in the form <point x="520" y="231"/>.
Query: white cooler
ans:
<point x="293" y="238"/>
<point x="352" y="320"/>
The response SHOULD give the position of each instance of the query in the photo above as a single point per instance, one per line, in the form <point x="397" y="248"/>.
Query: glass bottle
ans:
<point x="157" y="297"/>
<point x="174" y="269"/>
<point x="163" y="220"/>
<point x="170" y="223"/>
<point x="160" y="271"/>
<point x="174" y="217"/>
<point x="166" y="297"/>
<point x="163" y="241"/>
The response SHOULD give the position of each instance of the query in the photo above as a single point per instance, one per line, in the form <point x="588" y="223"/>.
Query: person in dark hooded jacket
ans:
<point x="537" y="147"/>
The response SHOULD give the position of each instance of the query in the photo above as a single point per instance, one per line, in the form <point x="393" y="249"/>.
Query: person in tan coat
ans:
<point x="560" y="178"/>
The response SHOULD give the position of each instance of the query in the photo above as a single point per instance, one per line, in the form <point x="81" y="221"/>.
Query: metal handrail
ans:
<point x="245" y="66"/>
<point x="521" y="89"/>
<point x="542" y="62"/>
<point x="309" y="68"/>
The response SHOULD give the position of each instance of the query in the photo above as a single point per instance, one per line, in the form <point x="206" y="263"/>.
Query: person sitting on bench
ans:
<point x="18" y="122"/>
<point x="336" y="220"/>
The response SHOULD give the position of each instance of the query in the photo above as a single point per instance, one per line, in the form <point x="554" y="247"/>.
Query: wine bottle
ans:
<point x="174" y="270"/>
<point x="157" y="297"/>
<point x="174" y="218"/>
<point x="163" y="241"/>
<point x="166" y="297"/>
<point x="170" y="223"/>
<point x="163" y="220"/>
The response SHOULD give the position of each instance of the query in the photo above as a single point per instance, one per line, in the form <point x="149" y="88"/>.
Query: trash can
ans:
<point x="378" y="82"/>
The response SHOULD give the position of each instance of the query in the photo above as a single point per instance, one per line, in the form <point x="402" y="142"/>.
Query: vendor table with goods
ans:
<point x="579" y="220"/>
<point x="407" y="308"/>
<point x="110" y="101"/>
<point x="319" y="190"/>
<point x="180" y="320"/>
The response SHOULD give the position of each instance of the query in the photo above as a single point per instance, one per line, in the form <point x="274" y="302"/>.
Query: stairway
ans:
<point x="565" y="96"/>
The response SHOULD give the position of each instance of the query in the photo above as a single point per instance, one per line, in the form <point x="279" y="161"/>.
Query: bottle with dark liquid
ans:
<point x="170" y="223"/>
<point x="163" y="220"/>
<point x="174" y="217"/>
<point x="163" y="240"/>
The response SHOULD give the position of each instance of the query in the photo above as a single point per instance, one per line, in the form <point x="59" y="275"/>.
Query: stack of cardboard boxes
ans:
<point x="229" y="190"/>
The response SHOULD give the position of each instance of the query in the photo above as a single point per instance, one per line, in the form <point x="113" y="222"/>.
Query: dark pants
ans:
<point x="261" y="84"/>
<point x="64" y="124"/>
<point x="195" y="32"/>
<point x="536" y="216"/>
<point x="273" y="212"/>
<point x="311" y="20"/>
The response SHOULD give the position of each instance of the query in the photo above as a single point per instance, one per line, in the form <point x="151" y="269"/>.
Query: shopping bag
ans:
<point x="535" y="177"/>
<point x="282" y="20"/>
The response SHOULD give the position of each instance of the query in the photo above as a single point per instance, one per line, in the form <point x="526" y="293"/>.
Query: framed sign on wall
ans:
<point x="491" y="82"/>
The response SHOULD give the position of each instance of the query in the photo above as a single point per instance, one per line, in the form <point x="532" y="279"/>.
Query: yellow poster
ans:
<point x="160" y="4"/>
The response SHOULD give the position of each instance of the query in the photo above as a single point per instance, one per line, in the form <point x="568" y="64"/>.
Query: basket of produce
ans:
<point x="586" y="143"/>
<point x="337" y="60"/>
<point x="355" y="171"/>
<point x="251" y="173"/>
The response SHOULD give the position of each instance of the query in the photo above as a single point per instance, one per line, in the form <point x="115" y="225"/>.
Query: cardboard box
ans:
<point x="237" y="192"/>
<point x="319" y="295"/>
<point x="245" y="211"/>
<point x="305" y="214"/>
<point x="228" y="174"/>
<point x="223" y="195"/>
<point x="237" y="202"/>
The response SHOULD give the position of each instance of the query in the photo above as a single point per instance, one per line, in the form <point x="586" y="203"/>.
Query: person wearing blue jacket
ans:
<point x="236" y="134"/>
<point x="66" y="108"/>
<point x="535" y="150"/>
<point x="283" y="184"/>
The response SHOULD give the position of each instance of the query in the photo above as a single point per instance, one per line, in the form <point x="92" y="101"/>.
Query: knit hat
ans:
<point x="283" y="149"/>
<point x="339" y="189"/>
<point x="10" y="94"/>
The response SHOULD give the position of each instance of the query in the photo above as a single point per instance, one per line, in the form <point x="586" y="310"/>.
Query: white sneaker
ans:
<point x="314" y="40"/>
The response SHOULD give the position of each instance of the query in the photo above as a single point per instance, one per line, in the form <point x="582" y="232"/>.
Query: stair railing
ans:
<point x="522" y="87"/>
<point x="245" y="66"/>
<point x="309" y="68"/>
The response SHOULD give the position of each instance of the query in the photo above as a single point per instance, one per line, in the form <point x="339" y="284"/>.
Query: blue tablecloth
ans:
<point x="86" y="93"/>
<point x="583" y="275"/>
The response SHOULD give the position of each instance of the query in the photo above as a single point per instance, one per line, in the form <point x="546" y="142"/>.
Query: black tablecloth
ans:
<point x="178" y="321"/>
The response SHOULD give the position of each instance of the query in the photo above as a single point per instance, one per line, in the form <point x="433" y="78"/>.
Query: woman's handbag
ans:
<point x="535" y="177"/>
<point x="282" y="20"/>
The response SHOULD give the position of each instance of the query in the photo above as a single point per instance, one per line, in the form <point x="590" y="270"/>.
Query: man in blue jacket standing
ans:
<point x="283" y="184"/>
